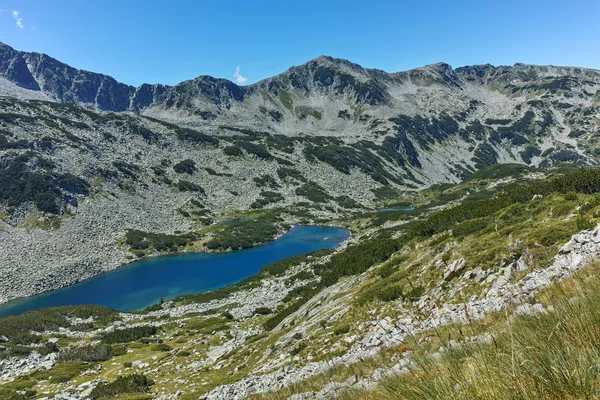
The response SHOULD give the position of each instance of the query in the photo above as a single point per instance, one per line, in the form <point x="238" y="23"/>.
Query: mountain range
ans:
<point x="84" y="156"/>
<point x="470" y="195"/>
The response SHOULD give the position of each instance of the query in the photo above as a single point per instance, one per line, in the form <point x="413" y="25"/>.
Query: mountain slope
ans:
<point x="83" y="156"/>
<point x="414" y="296"/>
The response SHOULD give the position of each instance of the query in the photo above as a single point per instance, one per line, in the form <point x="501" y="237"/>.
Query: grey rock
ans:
<point x="454" y="268"/>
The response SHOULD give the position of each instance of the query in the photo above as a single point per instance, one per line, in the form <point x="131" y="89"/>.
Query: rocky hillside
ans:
<point x="435" y="302"/>
<point x="88" y="166"/>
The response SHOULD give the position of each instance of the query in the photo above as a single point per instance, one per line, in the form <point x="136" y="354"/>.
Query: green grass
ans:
<point x="546" y="356"/>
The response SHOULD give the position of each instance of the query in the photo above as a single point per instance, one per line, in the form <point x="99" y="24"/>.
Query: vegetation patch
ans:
<point x="247" y="234"/>
<point x="186" y="166"/>
<point x="135" y="383"/>
<point x="128" y="334"/>
<point x="313" y="192"/>
<point x="140" y="240"/>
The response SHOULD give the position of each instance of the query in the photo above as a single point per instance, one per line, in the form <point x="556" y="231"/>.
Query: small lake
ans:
<point x="386" y="209"/>
<point x="143" y="283"/>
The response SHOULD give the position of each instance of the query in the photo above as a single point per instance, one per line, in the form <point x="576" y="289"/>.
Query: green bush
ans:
<point x="118" y="350"/>
<point x="135" y="383"/>
<point x="160" y="347"/>
<point x="186" y="166"/>
<point x="341" y="329"/>
<point x="313" y="192"/>
<point x="286" y="172"/>
<point x="27" y="178"/>
<point x="298" y="349"/>
<point x="266" y="180"/>
<point x="186" y="186"/>
<point x="262" y="311"/>
<point x="140" y="240"/>
<point x="470" y="226"/>
<point x="233" y="151"/>
<point x="258" y="150"/>
<point x="227" y="315"/>
<point x="190" y="135"/>
<point x="128" y="334"/>
<point x="207" y="326"/>
<point x="389" y="293"/>
<point x="100" y="352"/>
<point x="245" y="235"/>
<point x="583" y="223"/>
<point x="62" y="372"/>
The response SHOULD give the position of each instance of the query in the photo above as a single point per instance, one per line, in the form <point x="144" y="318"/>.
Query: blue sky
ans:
<point x="167" y="42"/>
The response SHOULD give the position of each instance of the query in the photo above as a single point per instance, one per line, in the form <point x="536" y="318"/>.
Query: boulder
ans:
<point x="567" y="248"/>
<point x="454" y="268"/>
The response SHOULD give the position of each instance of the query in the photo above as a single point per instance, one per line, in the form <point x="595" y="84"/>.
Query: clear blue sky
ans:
<point x="169" y="41"/>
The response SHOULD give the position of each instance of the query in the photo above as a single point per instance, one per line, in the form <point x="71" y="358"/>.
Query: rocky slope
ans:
<point x="85" y="159"/>
<point x="407" y="285"/>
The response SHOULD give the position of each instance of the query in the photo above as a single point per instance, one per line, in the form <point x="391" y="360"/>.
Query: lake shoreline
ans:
<point x="175" y="258"/>
<point x="93" y="273"/>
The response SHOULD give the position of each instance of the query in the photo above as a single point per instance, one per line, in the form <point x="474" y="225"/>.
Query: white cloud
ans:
<point x="18" y="20"/>
<point x="238" y="77"/>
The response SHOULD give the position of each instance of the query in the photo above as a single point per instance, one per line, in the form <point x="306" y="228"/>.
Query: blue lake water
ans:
<point x="143" y="283"/>
<point x="385" y="209"/>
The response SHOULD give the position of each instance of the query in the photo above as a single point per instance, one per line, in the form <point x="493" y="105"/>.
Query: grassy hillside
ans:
<point x="424" y="303"/>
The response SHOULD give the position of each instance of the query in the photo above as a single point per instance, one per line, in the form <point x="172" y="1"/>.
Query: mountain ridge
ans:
<point x="32" y="71"/>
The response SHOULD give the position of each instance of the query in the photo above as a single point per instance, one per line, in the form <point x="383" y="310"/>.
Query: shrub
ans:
<point x="118" y="350"/>
<point x="128" y="334"/>
<point x="245" y="235"/>
<point x="186" y="166"/>
<point x="583" y="223"/>
<point x="160" y="347"/>
<point x="62" y="372"/>
<point x="262" y="311"/>
<point x="285" y="172"/>
<point x="186" y="186"/>
<point x="227" y="315"/>
<point x="101" y="352"/>
<point x="298" y="349"/>
<point x="135" y="383"/>
<point x="25" y="179"/>
<point x="313" y="192"/>
<point x="190" y="135"/>
<point x="469" y="226"/>
<point x="140" y="240"/>
<point x="389" y="293"/>
<point x="208" y="325"/>
<point x="341" y="329"/>
<point x="266" y="180"/>
<point x="233" y="151"/>
<point x="570" y="196"/>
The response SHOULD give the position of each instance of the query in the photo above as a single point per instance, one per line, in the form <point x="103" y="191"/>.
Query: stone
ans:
<point x="521" y="265"/>
<point x="567" y="248"/>
<point x="581" y="238"/>
<point x="454" y="268"/>
<point x="216" y="352"/>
